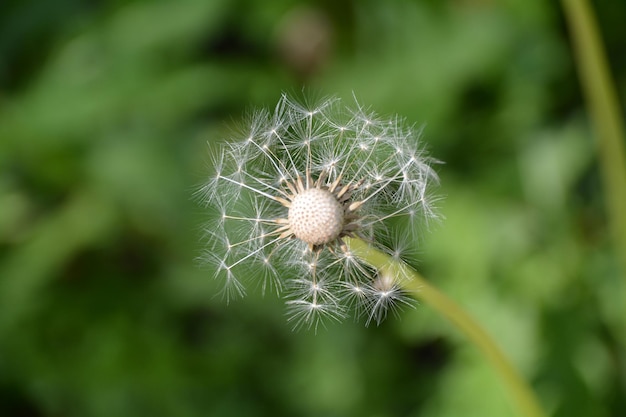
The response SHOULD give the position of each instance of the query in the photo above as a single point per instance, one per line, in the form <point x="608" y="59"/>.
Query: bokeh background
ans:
<point x="107" y="112"/>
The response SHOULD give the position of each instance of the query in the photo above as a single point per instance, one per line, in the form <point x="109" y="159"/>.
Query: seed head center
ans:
<point x="316" y="217"/>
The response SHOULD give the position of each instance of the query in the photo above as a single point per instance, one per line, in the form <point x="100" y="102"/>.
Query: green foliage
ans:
<point x="105" y="114"/>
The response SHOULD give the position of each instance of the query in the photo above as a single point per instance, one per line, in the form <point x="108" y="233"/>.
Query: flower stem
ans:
<point x="519" y="390"/>
<point x="605" y="115"/>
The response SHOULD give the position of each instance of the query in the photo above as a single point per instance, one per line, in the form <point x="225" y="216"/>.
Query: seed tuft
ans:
<point x="298" y="182"/>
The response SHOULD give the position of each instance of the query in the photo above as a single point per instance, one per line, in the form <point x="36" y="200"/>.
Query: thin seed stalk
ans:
<point x="520" y="392"/>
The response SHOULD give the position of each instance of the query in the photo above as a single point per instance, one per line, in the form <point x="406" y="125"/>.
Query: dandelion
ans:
<point x="317" y="203"/>
<point x="294" y="186"/>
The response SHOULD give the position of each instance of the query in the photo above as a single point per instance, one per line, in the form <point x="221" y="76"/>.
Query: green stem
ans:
<point x="519" y="390"/>
<point x="605" y="115"/>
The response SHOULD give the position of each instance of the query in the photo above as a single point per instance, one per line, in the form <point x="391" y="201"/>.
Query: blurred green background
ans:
<point x="106" y="109"/>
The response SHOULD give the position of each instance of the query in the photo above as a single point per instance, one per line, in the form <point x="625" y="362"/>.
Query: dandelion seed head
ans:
<point x="316" y="217"/>
<point x="299" y="182"/>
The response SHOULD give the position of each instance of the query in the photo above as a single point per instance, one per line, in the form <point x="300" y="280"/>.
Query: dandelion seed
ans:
<point x="298" y="183"/>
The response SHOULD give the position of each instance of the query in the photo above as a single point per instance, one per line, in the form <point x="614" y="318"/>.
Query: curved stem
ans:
<point x="520" y="391"/>
<point x="606" y="116"/>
